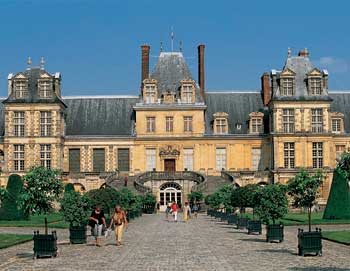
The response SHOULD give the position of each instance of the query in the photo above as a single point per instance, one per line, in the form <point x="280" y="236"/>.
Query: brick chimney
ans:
<point x="201" y="74"/>
<point x="266" y="88"/>
<point x="304" y="53"/>
<point x="144" y="62"/>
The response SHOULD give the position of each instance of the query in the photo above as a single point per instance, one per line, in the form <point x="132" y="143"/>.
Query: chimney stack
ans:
<point x="304" y="53"/>
<point x="266" y="88"/>
<point x="145" y="49"/>
<point x="201" y="78"/>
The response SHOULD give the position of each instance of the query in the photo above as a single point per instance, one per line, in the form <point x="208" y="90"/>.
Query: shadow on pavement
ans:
<point x="256" y="240"/>
<point x="282" y="251"/>
<point x="312" y="268"/>
<point x="24" y="255"/>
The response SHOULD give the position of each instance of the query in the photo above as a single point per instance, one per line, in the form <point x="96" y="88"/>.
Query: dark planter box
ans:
<point x="309" y="242"/>
<point x="232" y="219"/>
<point x="242" y="222"/>
<point x="274" y="232"/>
<point x="77" y="235"/>
<point x="254" y="226"/>
<point x="224" y="216"/>
<point x="45" y="245"/>
<point x="148" y="209"/>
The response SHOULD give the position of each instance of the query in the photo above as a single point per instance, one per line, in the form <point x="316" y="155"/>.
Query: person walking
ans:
<point x="126" y="181"/>
<point x="167" y="211"/>
<point x="97" y="221"/>
<point x="174" y="210"/>
<point x="195" y="210"/>
<point x="119" y="219"/>
<point x="186" y="212"/>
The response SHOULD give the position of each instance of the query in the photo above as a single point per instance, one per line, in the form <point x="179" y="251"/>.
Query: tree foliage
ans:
<point x="75" y="208"/>
<point x="221" y="197"/>
<point x="243" y="197"/>
<point x="195" y="196"/>
<point x="304" y="189"/>
<point x="69" y="187"/>
<point x="10" y="209"/>
<point x="271" y="202"/>
<point x="41" y="188"/>
<point x="148" y="199"/>
<point x="3" y="195"/>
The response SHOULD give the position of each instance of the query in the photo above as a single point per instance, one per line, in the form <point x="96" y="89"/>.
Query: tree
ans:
<point x="41" y="188"/>
<point x="338" y="204"/>
<point x="243" y="197"/>
<point x="69" y="187"/>
<point x="75" y="208"/>
<point x="148" y="200"/>
<point x="195" y="196"/>
<point x="3" y="195"/>
<point x="304" y="190"/>
<point x="106" y="197"/>
<point x="271" y="202"/>
<point x="221" y="197"/>
<point x="10" y="209"/>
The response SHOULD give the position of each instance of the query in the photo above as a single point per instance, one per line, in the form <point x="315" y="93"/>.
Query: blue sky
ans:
<point x="96" y="44"/>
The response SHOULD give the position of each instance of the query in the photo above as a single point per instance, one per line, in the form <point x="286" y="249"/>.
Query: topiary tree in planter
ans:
<point x="338" y="203"/>
<point x="10" y="209"/>
<point x="240" y="197"/>
<point x="195" y="196"/>
<point x="106" y="197"/>
<point x="75" y="209"/>
<point x="271" y="205"/>
<point x="304" y="189"/>
<point x="41" y="188"/>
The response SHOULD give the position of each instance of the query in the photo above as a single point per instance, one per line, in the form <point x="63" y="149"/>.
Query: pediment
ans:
<point x="220" y="115"/>
<point x="45" y="75"/>
<point x="287" y="72"/>
<point x="20" y="75"/>
<point x="315" y="72"/>
<point x="256" y="114"/>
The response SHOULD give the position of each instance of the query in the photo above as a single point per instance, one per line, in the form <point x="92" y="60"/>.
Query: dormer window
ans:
<point x="256" y="122"/>
<point x="45" y="88"/>
<point x="221" y="123"/>
<point x="187" y="91"/>
<point x="337" y="122"/>
<point x="150" y="91"/>
<point x="287" y="88"/>
<point x="21" y="89"/>
<point x="315" y="85"/>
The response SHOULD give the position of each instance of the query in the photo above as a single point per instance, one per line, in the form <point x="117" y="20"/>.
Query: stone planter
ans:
<point x="77" y="235"/>
<point x="274" y="232"/>
<point x="242" y="222"/>
<point x="254" y="226"/>
<point x="45" y="245"/>
<point x="309" y="242"/>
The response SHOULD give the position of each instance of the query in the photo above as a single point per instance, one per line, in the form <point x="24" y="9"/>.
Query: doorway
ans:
<point x="169" y="192"/>
<point x="169" y="165"/>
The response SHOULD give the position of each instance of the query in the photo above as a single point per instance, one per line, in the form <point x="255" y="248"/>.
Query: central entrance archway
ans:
<point x="169" y="192"/>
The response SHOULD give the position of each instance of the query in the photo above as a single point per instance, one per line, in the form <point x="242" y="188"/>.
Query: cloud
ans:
<point x="333" y="64"/>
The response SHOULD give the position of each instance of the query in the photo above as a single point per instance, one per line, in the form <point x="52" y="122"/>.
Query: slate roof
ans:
<point x="170" y="69"/>
<point x="341" y="103"/>
<point x="33" y="74"/>
<point x="100" y="116"/>
<point x="301" y="65"/>
<point x="237" y="104"/>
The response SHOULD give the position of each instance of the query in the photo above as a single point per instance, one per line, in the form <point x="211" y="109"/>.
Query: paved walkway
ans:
<point x="203" y="244"/>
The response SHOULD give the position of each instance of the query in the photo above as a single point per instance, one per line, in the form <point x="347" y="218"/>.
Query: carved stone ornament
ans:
<point x="169" y="150"/>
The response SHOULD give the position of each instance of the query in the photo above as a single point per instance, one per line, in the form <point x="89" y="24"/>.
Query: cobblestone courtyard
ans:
<point x="203" y="244"/>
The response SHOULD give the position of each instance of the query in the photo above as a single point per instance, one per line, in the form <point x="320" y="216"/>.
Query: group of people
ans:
<point x="97" y="222"/>
<point x="173" y="208"/>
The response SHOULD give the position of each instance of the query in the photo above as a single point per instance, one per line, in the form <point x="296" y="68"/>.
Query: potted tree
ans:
<point x="271" y="205"/>
<point x="41" y="188"/>
<point x="304" y="190"/>
<point x="75" y="209"/>
<point x="240" y="197"/>
<point x="254" y="225"/>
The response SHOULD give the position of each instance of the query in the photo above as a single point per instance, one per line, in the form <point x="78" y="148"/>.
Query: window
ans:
<point x="169" y="124"/>
<point x="123" y="159"/>
<point x="188" y="159"/>
<point x="315" y="86"/>
<point x="317" y="154"/>
<point x="151" y="159"/>
<point x="74" y="160"/>
<point x="45" y="88"/>
<point x="98" y="160"/>
<point x="289" y="155"/>
<point x="256" y="125"/>
<point x="287" y="87"/>
<point x="150" y="93"/>
<point x="187" y="93"/>
<point x="151" y="124"/>
<point x="45" y="156"/>
<point x="220" y="159"/>
<point x="45" y="123"/>
<point x="288" y="120"/>
<point x="187" y="124"/>
<point x="316" y="120"/>
<point x="19" y="123"/>
<point x="19" y="157"/>
<point x="21" y="89"/>
<point x="336" y="125"/>
<point x="339" y="149"/>
<point x="221" y="127"/>
<point x="256" y="155"/>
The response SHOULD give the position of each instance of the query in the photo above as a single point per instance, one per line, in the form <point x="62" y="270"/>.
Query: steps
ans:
<point x="119" y="185"/>
<point x="214" y="182"/>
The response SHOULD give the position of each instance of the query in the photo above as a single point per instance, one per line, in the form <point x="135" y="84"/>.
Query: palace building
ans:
<point x="177" y="137"/>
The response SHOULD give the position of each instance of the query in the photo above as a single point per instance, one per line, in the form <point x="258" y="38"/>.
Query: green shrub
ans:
<point x="106" y="197"/>
<point x="148" y="199"/>
<point x="10" y="209"/>
<point x="271" y="203"/>
<point x="195" y="196"/>
<point x="69" y="187"/>
<point x="243" y="197"/>
<point x="75" y="208"/>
